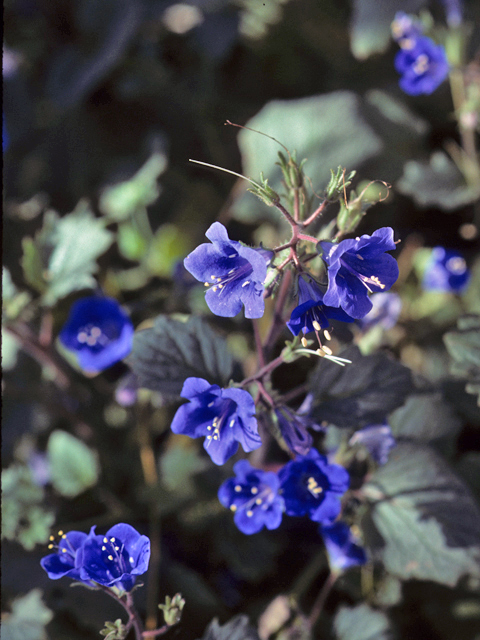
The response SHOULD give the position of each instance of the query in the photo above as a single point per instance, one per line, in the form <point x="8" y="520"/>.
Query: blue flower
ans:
<point x="226" y="417"/>
<point x="377" y="440"/>
<point x="114" y="559"/>
<point x="63" y="561"/>
<point x="253" y="496"/>
<point x="294" y="430"/>
<point x="312" y="486"/>
<point x="453" y="11"/>
<point x="233" y="273"/>
<point x="98" y="331"/>
<point x="423" y="68"/>
<point x="406" y="30"/>
<point x="446" y="271"/>
<point x="342" y="546"/>
<point x="311" y="314"/>
<point x="384" y="312"/>
<point x="357" y="267"/>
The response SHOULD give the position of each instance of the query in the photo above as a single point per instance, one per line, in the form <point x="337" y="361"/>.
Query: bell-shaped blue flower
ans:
<point x="423" y="68"/>
<point x="384" y="312"/>
<point x="406" y="30"/>
<point x="98" y="331"/>
<point x="114" y="559"/>
<point x="311" y="314"/>
<point x="63" y="561"/>
<point x="377" y="440"/>
<point x="293" y="428"/>
<point x="233" y="274"/>
<point x="253" y="496"/>
<point x="342" y="546"/>
<point x="225" y="417"/>
<point x="311" y="486"/>
<point x="357" y="267"/>
<point x="446" y="271"/>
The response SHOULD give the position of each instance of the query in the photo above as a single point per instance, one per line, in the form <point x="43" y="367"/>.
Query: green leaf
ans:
<point x="436" y="183"/>
<point x="321" y="128"/>
<point x="238" y="628"/>
<point x="168" y="246"/>
<point x="370" y="24"/>
<point x="424" y="418"/>
<point x="423" y="521"/>
<point x="171" y="351"/>
<point x="74" y="467"/>
<point x="178" y="464"/>
<point x="463" y="346"/>
<point x="361" y="623"/>
<point x="28" y="618"/>
<point x="24" y="519"/>
<point x="61" y="258"/>
<point x="360" y="393"/>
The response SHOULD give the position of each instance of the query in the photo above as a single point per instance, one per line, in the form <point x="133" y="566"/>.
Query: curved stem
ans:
<point x="321" y="599"/>
<point x="263" y="371"/>
<point x="129" y="606"/>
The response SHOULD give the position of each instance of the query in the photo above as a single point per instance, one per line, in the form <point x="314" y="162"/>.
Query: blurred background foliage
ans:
<point x="105" y="102"/>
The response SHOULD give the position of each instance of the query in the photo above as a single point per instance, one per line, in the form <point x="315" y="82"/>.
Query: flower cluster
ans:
<point x="112" y="560"/>
<point x="422" y="64"/>
<point x="98" y="331"/>
<point x="446" y="271"/>
<point x="225" y="417"/>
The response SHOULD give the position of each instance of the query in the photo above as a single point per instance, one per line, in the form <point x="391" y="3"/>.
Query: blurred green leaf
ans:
<point x="426" y="523"/>
<point x="131" y="243"/>
<point x="28" y="618"/>
<point x="10" y="348"/>
<point x="436" y="183"/>
<point x="13" y="300"/>
<point x="24" y="519"/>
<point x="464" y="348"/>
<point x="171" y="351"/>
<point x="360" y="393"/>
<point x="62" y="257"/>
<point x="238" y="628"/>
<point x="424" y="418"/>
<point x="178" y="464"/>
<point x="361" y="623"/>
<point x="169" y="245"/>
<point x="74" y="467"/>
<point x="329" y="130"/>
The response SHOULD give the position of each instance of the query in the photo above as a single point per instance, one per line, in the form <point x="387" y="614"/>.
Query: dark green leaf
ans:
<point x="164" y="356"/>
<point x="28" y="618"/>
<point x="361" y="623"/>
<point x="426" y="523"/>
<point x="360" y="393"/>
<point x="464" y="348"/>
<point x="238" y="628"/>
<point x="424" y="418"/>
<point x="436" y="183"/>
<point x="73" y="466"/>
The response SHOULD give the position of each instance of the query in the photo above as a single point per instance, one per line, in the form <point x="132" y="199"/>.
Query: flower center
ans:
<point x="64" y="547"/>
<point x="115" y="557"/>
<point x="92" y="336"/>
<point x="367" y="281"/>
<point x="227" y="410"/>
<point x="421" y="64"/>
<point x="238" y="275"/>
<point x="313" y="487"/>
<point x="456" y="265"/>
<point x="261" y="497"/>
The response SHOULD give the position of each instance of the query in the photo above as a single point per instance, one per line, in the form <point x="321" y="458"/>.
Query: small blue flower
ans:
<point x="312" y="486"/>
<point x="226" y="417"/>
<point x="453" y="12"/>
<point x="342" y="546"/>
<point x="384" y="312"/>
<point x="114" y="559"/>
<point x="446" y="271"/>
<point x="99" y="332"/>
<point x="253" y="496"/>
<point x="63" y="561"/>
<point x="293" y="428"/>
<point x="311" y="314"/>
<point x="406" y="30"/>
<point x="233" y="273"/>
<point x="423" y="68"/>
<point x="357" y="267"/>
<point x="377" y="439"/>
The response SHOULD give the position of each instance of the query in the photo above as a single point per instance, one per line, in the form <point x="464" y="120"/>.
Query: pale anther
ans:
<point x="238" y="488"/>
<point x="327" y="335"/>
<point x="233" y="507"/>
<point x="110" y="557"/>
<point x="304" y="342"/>
<point x="232" y="422"/>
<point x="254" y="490"/>
<point x="316" y="326"/>
<point x="245" y="283"/>
<point x="249" y="513"/>
<point x="327" y="350"/>
<point x="258" y="501"/>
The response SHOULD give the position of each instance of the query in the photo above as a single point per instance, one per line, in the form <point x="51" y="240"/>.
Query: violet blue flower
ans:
<point x="357" y="267"/>
<point x="114" y="559"/>
<point x="253" y="496"/>
<point x="293" y="428"/>
<point x="423" y="68"/>
<point x="453" y="12"/>
<point x="311" y="486"/>
<point x="446" y="271"/>
<point x="384" y="312"/>
<point x="63" y="561"/>
<point x="98" y="331"/>
<point x="342" y="546"/>
<point x="406" y="30"/>
<point x="311" y="314"/>
<point x="377" y="440"/>
<point x="233" y="274"/>
<point x="226" y="417"/>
